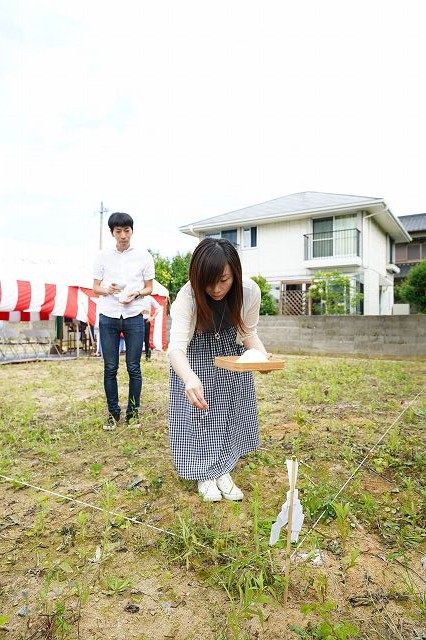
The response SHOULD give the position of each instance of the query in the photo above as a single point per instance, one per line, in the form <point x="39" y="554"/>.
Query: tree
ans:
<point x="413" y="289"/>
<point x="397" y="295"/>
<point x="332" y="294"/>
<point x="179" y="273"/>
<point x="163" y="271"/>
<point x="267" y="303"/>
<point x="172" y="273"/>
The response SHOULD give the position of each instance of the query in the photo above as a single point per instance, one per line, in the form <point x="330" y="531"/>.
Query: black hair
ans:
<point x="208" y="261"/>
<point x="119" y="219"/>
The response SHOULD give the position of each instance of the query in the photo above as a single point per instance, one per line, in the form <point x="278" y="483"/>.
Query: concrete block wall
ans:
<point x="379" y="336"/>
<point x="375" y="336"/>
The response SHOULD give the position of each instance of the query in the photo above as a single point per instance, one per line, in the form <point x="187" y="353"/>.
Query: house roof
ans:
<point x="301" y="205"/>
<point x="415" y="222"/>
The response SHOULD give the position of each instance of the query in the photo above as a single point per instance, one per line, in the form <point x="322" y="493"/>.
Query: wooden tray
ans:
<point x="230" y="363"/>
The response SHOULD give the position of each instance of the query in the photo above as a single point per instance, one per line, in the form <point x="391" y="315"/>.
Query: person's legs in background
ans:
<point x="147" y="345"/>
<point x="133" y="330"/>
<point x="109" y="332"/>
<point x="98" y="342"/>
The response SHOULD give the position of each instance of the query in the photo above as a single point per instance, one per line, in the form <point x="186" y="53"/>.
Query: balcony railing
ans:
<point x="333" y="244"/>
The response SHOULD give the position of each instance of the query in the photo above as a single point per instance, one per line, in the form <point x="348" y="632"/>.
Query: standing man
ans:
<point x="150" y="309"/>
<point x="122" y="277"/>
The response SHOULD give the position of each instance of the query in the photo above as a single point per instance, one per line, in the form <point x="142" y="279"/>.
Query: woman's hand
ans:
<point x="194" y="392"/>
<point x="269" y="356"/>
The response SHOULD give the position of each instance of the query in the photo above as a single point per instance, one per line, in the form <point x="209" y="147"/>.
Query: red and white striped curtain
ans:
<point x="30" y="300"/>
<point x="24" y="300"/>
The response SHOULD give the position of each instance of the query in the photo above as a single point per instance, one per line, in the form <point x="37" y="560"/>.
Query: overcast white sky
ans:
<point x="177" y="110"/>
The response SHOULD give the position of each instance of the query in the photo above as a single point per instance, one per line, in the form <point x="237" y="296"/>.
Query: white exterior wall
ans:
<point x="279" y="253"/>
<point x="375" y="259"/>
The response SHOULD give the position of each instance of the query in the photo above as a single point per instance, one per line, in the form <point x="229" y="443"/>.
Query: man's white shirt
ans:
<point x="132" y="268"/>
<point x="147" y="303"/>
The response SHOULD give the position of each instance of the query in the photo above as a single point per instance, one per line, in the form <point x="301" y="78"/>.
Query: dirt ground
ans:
<point x="63" y="575"/>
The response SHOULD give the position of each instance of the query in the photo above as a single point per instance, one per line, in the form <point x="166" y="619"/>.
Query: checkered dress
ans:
<point x="208" y="443"/>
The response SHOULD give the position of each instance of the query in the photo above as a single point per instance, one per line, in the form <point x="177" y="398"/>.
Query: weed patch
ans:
<point x="197" y="571"/>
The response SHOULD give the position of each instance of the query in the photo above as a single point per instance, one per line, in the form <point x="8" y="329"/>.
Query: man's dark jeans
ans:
<point x="133" y="331"/>
<point x="146" y="341"/>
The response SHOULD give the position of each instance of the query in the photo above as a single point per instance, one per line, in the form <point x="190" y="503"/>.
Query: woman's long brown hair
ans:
<point x="206" y="268"/>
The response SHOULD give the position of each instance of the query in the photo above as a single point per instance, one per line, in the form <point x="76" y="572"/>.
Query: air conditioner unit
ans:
<point x="392" y="268"/>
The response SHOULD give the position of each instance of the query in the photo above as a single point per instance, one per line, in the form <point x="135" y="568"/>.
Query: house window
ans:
<point x="335" y="236"/>
<point x="249" y="237"/>
<point x="229" y="234"/>
<point x="413" y="252"/>
<point x="401" y="252"/>
<point x="323" y="238"/>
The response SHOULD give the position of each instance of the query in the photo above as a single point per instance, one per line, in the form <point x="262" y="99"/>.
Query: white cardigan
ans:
<point x="184" y="315"/>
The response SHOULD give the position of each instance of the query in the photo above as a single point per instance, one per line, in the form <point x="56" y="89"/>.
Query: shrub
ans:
<point x="413" y="289"/>
<point x="267" y="304"/>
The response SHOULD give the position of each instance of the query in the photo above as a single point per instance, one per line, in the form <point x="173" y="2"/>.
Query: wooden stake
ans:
<point x="289" y="526"/>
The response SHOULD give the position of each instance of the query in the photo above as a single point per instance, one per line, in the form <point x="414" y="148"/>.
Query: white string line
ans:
<point x="365" y="458"/>
<point x="199" y="544"/>
<point x="83" y="503"/>
<point x="111" y="513"/>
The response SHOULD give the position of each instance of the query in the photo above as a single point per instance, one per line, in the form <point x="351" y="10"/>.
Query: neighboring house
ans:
<point x="407" y="254"/>
<point x="290" y="239"/>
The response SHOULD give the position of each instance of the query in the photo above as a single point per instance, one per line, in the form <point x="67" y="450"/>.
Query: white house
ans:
<point x="290" y="239"/>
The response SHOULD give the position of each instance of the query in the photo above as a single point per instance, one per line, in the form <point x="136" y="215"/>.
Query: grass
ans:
<point x="191" y="570"/>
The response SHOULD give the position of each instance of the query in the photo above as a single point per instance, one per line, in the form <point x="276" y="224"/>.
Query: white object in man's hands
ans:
<point x="120" y="285"/>
<point x="253" y="355"/>
<point x="124" y="293"/>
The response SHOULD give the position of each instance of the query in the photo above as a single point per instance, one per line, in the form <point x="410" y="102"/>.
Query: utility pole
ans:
<point x="102" y="211"/>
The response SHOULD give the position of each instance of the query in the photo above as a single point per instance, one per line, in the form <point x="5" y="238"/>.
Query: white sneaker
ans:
<point x="208" y="489"/>
<point x="228" y="488"/>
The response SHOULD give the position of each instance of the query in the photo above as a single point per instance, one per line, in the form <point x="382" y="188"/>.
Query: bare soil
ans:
<point x="72" y="568"/>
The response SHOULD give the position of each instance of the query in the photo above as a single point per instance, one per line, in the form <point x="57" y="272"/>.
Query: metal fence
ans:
<point x="327" y="244"/>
